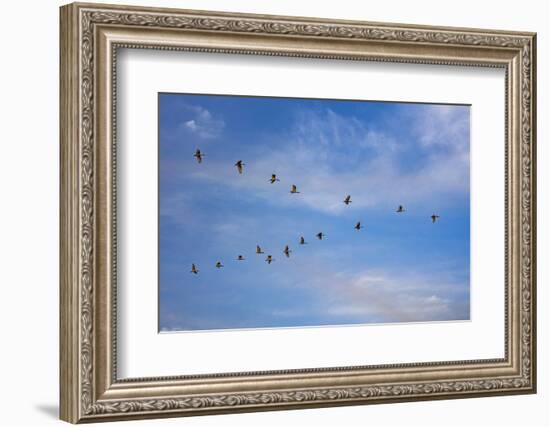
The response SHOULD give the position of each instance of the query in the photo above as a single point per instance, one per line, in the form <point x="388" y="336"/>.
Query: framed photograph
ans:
<point x="266" y="212"/>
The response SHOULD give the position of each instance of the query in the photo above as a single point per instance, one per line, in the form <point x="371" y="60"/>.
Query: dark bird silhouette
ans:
<point x="294" y="190"/>
<point x="274" y="178"/>
<point x="259" y="250"/>
<point x="287" y="251"/>
<point x="198" y="155"/>
<point x="358" y="226"/>
<point x="320" y="235"/>
<point x="240" y="165"/>
<point x="400" y="209"/>
<point x="269" y="259"/>
<point x="240" y="258"/>
<point x="434" y="218"/>
<point x="347" y="200"/>
<point x="303" y="241"/>
<point x="194" y="269"/>
<point x="219" y="264"/>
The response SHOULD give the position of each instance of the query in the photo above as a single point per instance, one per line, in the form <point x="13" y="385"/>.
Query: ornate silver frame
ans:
<point x="90" y="36"/>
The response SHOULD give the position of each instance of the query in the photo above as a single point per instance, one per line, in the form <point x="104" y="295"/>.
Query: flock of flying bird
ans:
<point x="293" y="190"/>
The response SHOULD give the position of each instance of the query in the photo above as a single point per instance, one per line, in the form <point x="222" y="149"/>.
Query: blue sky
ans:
<point x="399" y="268"/>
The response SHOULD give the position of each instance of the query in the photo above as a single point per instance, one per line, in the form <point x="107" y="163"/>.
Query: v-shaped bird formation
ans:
<point x="199" y="156"/>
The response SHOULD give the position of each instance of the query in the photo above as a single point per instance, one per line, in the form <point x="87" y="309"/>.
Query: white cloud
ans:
<point x="388" y="296"/>
<point x="203" y="123"/>
<point x="394" y="299"/>
<point x="191" y="124"/>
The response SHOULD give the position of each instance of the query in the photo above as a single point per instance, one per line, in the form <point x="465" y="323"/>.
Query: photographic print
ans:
<point x="288" y="212"/>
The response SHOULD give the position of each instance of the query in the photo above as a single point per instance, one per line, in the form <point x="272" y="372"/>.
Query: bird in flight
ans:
<point x="303" y="241"/>
<point x="287" y="251"/>
<point x="240" y="165"/>
<point x="294" y="190"/>
<point x="400" y="209"/>
<point x="273" y="178"/>
<point x="194" y="269"/>
<point x="219" y="264"/>
<point x="269" y="259"/>
<point x="320" y="235"/>
<point x="358" y="226"/>
<point x="240" y="258"/>
<point x="434" y="218"/>
<point x="259" y="250"/>
<point x="347" y="200"/>
<point x="198" y="155"/>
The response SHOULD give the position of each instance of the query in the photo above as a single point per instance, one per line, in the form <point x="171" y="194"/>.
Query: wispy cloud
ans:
<point x="400" y="299"/>
<point x="443" y="125"/>
<point x="329" y="156"/>
<point x="330" y="129"/>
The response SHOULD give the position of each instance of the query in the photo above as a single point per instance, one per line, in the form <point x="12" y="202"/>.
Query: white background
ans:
<point x="29" y="171"/>
<point x="145" y="353"/>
